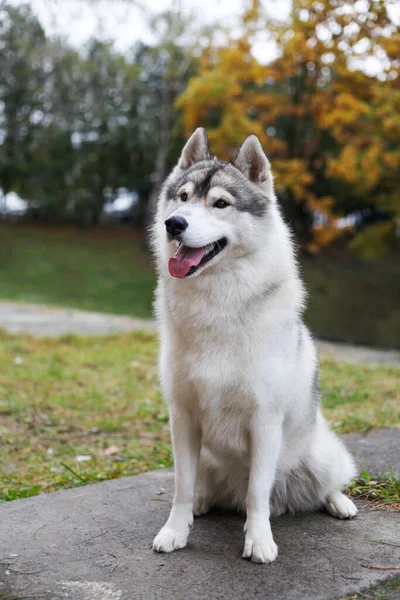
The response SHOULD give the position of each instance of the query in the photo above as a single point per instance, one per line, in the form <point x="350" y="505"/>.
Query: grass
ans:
<point x="359" y="397"/>
<point x="94" y="400"/>
<point x="382" y="491"/>
<point x="386" y="590"/>
<point x="103" y="270"/>
<point x="106" y="270"/>
<point x="77" y="410"/>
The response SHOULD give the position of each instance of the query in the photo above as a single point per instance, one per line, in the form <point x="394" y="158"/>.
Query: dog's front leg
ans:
<point x="186" y="443"/>
<point x="265" y="443"/>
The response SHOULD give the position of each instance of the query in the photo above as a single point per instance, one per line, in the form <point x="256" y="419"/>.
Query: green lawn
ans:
<point x="97" y="269"/>
<point x="354" y="300"/>
<point x="99" y="398"/>
<point x="106" y="270"/>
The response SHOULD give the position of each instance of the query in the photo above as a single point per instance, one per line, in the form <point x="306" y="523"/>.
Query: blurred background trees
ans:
<point x="88" y="133"/>
<point x="75" y="125"/>
<point x="331" y="130"/>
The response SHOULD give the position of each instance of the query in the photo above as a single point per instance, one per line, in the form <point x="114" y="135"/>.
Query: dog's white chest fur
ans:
<point x="220" y="396"/>
<point x="223" y="405"/>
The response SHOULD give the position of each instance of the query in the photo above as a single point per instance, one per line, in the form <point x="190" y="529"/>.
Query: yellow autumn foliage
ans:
<point x="331" y="130"/>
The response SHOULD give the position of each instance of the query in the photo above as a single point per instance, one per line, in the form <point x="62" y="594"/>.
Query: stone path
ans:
<point x="358" y="354"/>
<point x="48" y="321"/>
<point x="376" y="451"/>
<point x="94" y="543"/>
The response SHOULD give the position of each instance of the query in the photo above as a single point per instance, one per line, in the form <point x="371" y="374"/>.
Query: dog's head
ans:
<point x="210" y="209"/>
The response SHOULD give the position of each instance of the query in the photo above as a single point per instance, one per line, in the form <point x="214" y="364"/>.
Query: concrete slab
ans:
<point x="94" y="543"/>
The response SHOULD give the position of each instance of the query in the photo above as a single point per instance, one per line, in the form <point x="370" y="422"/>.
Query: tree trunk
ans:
<point x="160" y="167"/>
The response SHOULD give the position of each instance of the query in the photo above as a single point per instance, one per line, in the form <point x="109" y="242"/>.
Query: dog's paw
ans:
<point x="260" y="547"/>
<point x="168" y="540"/>
<point x="340" y="506"/>
<point x="201" y="506"/>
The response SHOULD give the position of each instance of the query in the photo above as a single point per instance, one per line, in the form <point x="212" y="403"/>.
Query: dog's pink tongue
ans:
<point x="184" y="258"/>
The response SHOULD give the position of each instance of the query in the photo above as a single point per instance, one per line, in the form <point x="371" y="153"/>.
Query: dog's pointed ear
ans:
<point x="253" y="163"/>
<point x="195" y="150"/>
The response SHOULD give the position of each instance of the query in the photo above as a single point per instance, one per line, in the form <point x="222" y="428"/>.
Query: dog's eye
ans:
<point x="184" y="196"/>
<point x="220" y="204"/>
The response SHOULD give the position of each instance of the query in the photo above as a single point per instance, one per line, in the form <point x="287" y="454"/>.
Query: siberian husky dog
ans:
<point x="238" y="366"/>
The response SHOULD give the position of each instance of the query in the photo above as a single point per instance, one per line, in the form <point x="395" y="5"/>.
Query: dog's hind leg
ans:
<point x="340" y="506"/>
<point x="325" y="469"/>
<point x="342" y="470"/>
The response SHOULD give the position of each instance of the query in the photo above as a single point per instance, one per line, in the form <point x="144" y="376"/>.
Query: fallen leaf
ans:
<point x="111" y="451"/>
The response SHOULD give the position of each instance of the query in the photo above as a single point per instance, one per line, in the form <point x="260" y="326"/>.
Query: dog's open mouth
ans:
<point x="187" y="260"/>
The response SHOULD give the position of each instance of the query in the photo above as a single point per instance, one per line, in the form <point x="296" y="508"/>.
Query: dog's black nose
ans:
<point x="176" y="225"/>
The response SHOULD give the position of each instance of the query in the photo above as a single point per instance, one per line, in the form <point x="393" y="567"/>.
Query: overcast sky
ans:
<point x="123" y="20"/>
<point x="126" y="23"/>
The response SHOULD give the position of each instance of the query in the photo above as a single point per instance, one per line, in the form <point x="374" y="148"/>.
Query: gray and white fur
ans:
<point x="238" y="366"/>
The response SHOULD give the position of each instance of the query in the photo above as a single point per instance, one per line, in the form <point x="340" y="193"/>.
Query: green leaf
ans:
<point x="366" y="476"/>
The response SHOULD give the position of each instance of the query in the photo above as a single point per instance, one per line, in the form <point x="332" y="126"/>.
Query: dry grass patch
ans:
<point x="77" y="410"/>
